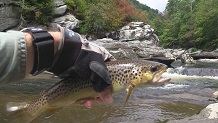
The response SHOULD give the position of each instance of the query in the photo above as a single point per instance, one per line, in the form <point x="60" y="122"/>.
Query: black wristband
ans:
<point x="43" y="44"/>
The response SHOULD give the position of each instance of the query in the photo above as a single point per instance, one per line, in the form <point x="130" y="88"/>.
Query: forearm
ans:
<point x="13" y="56"/>
<point x="17" y="54"/>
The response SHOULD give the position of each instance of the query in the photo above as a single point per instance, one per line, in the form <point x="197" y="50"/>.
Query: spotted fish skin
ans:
<point x="73" y="89"/>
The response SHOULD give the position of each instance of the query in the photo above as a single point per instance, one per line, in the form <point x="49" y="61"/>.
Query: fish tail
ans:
<point x="14" y="106"/>
<point x="18" y="112"/>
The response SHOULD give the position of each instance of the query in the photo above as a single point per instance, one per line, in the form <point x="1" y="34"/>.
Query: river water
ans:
<point x="187" y="93"/>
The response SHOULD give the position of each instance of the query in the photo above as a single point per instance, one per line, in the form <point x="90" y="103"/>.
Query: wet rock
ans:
<point x="194" y="119"/>
<point x="211" y="111"/>
<point x="181" y="54"/>
<point x="150" y="53"/>
<point x="138" y="49"/>
<point x="186" y="58"/>
<point x="120" y="50"/>
<point x="207" y="115"/>
<point x="134" y="50"/>
<point x="208" y="60"/>
<point x="128" y="53"/>
<point x="186" y="96"/>
<point x="204" y="55"/>
<point x="215" y="95"/>
<point x="129" y="38"/>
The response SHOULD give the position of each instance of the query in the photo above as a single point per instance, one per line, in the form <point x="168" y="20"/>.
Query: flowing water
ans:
<point x="184" y="96"/>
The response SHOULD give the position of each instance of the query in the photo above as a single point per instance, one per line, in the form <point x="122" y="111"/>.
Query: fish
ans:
<point x="125" y="75"/>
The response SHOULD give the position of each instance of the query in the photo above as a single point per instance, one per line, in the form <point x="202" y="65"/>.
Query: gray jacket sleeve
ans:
<point x="12" y="56"/>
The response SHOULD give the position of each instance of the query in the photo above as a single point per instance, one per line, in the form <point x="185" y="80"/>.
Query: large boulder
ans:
<point x="134" y="50"/>
<point x="136" y="31"/>
<point x="60" y="7"/>
<point x="215" y="95"/>
<point x="59" y="3"/>
<point x="9" y="16"/>
<point x="68" y="20"/>
<point x="207" y="115"/>
<point x="60" y="10"/>
<point x="204" y="55"/>
<point x="210" y="112"/>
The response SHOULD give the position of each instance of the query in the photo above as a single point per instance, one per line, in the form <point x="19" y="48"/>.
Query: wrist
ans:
<point x="57" y="36"/>
<point x="57" y="39"/>
<point x="67" y="50"/>
<point x="30" y="53"/>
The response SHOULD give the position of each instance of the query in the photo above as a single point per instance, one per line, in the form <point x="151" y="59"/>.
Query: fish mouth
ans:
<point x="163" y="80"/>
<point x="158" y="80"/>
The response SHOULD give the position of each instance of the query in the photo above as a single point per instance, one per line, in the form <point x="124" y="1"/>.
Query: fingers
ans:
<point x="104" y="97"/>
<point x="87" y="102"/>
<point x="99" y="100"/>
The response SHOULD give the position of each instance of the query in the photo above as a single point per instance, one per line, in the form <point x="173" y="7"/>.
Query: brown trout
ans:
<point x="125" y="75"/>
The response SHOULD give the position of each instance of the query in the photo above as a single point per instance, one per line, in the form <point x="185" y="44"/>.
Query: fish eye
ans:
<point x="153" y="68"/>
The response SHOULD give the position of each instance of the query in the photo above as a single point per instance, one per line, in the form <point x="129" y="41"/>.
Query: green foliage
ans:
<point x="206" y="24"/>
<point x="158" y="24"/>
<point x="37" y="11"/>
<point x="122" y="12"/>
<point x="96" y="16"/>
<point x="100" y="16"/>
<point x="151" y="13"/>
<point x="184" y="24"/>
<point x="77" y="8"/>
<point x="71" y="5"/>
<point x="95" y="20"/>
<point x="191" y="23"/>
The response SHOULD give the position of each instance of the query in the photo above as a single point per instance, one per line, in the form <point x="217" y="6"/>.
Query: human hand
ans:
<point x="103" y="97"/>
<point x="86" y="59"/>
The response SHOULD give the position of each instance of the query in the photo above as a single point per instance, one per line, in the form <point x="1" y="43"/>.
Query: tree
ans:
<point x="180" y="22"/>
<point x="123" y="12"/>
<point x="95" y="20"/>
<point x="109" y="15"/>
<point x="37" y="11"/>
<point x="191" y="23"/>
<point x="77" y="8"/>
<point x="206" y="24"/>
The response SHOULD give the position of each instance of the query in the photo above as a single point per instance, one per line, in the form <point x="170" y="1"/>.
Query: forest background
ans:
<point x="184" y="24"/>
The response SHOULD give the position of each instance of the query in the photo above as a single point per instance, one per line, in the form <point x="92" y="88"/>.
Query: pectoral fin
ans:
<point x="51" y="110"/>
<point x="129" y="91"/>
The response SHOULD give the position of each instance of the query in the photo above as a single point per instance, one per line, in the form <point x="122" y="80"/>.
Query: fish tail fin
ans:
<point x="17" y="112"/>
<point x="15" y="106"/>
